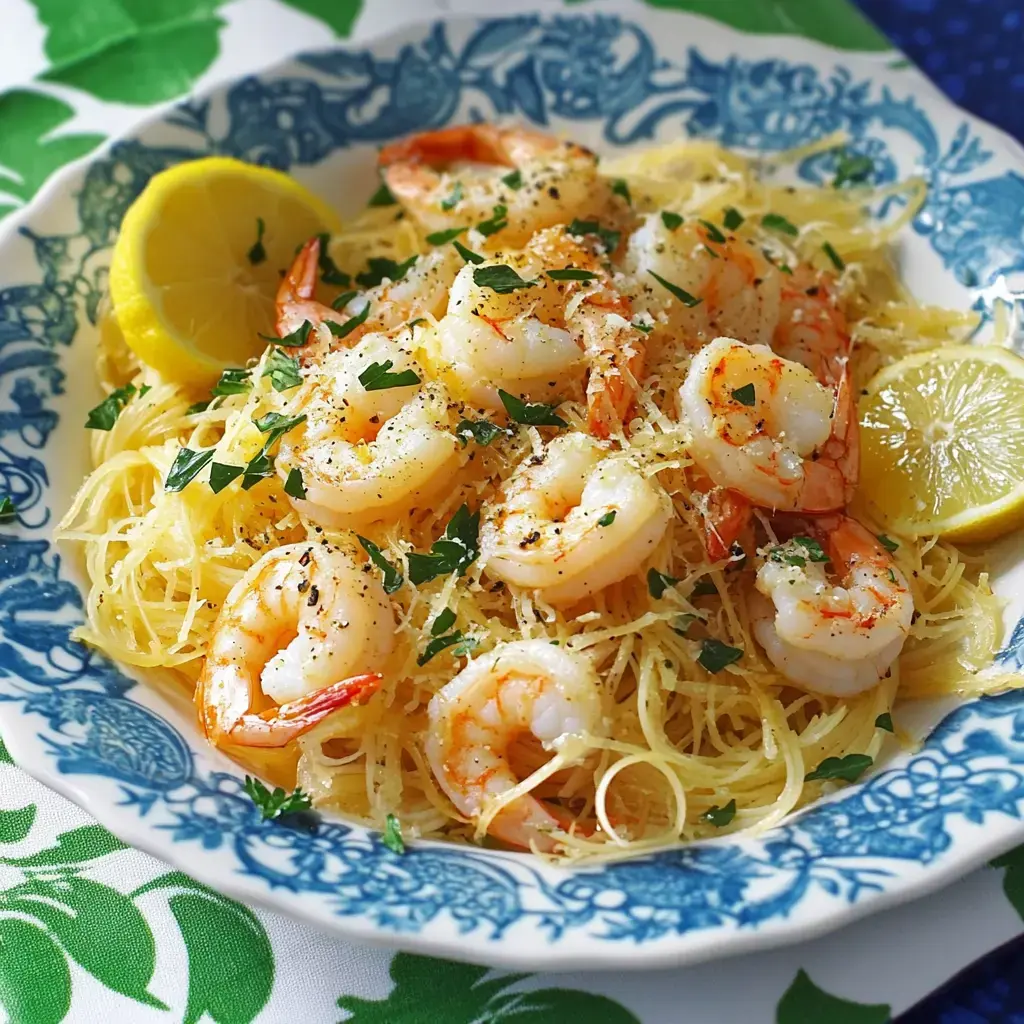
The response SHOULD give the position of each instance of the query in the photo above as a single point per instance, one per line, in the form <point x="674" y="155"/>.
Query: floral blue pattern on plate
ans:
<point x="131" y="754"/>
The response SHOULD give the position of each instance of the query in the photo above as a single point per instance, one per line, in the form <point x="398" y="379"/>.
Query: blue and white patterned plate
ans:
<point x="130" y="753"/>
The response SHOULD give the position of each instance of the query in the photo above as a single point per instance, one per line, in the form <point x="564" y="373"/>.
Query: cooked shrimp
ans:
<point x="420" y="291"/>
<point x="573" y="520"/>
<point x="367" y="455"/>
<point x="838" y="637"/>
<point x="459" y="177"/>
<point x="524" y="686"/>
<point x="763" y="426"/>
<point x="294" y="629"/>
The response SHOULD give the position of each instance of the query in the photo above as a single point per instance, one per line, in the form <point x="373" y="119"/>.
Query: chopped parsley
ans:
<point x="296" y="339"/>
<point x="443" y="237"/>
<point x="733" y="218"/>
<point x="852" y="169"/>
<point x="222" y="474"/>
<point x="275" y="425"/>
<point x="7" y="509"/>
<point x="391" y="837"/>
<point x="345" y="329"/>
<point x="283" y="370"/>
<point x="104" y="415"/>
<point x="745" y="395"/>
<point x="377" y="377"/>
<point x="534" y="414"/>
<point x="257" y="254"/>
<point x="571" y="274"/>
<point x="888" y="543"/>
<point x="514" y="180"/>
<point x="608" y="518"/>
<point x="186" y="466"/>
<point x="462" y="644"/>
<point x="837" y="260"/>
<point x="457" y="549"/>
<point x="444" y="621"/>
<point x="884" y="721"/>
<point x="620" y="188"/>
<point x="467" y="254"/>
<point x="382" y="197"/>
<point x="849" y="768"/>
<point x="293" y="486"/>
<point x="393" y="578"/>
<point x="275" y="804"/>
<point x="482" y="431"/>
<point x="713" y="233"/>
<point x="680" y="293"/>
<point x="233" y="382"/>
<point x="342" y="300"/>
<point x="659" y="582"/>
<point x="776" y="222"/>
<point x="495" y="223"/>
<point x="609" y="238"/>
<point x="714" y="655"/>
<point x="330" y="273"/>
<point x="198" y="407"/>
<point x="501" y="279"/>
<point x="380" y="267"/>
<point x="454" y="198"/>
<point x="642" y="327"/>
<point x="720" y="816"/>
<point x="704" y="588"/>
<point x="670" y="220"/>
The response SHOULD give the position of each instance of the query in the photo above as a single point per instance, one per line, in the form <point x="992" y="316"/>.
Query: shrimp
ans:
<point x="366" y="454"/>
<point x="421" y="291"/>
<point x="460" y="176"/>
<point x="762" y="426"/>
<point x="293" y="629"/>
<point x="573" y="520"/>
<point x="840" y="637"/>
<point x="523" y="686"/>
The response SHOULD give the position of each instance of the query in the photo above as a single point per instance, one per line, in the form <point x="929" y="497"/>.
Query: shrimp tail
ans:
<point x="727" y="516"/>
<point x="295" y="304"/>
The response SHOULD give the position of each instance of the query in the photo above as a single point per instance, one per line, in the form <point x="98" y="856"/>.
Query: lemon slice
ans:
<point x="942" y="443"/>
<point x="188" y="292"/>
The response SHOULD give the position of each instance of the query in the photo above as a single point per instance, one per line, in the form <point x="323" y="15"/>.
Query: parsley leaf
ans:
<point x="849" y="768"/>
<point x="222" y="474"/>
<point x="7" y="509"/>
<point x="837" y="260"/>
<point x="534" y="414"/>
<point x="444" y="621"/>
<point x="720" y="816"/>
<point x="454" y="198"/>
<point x="454" y="552"/>
<point x="798" y="551"/>
<point x="382" y="197"/>
<point x="620" y="188"/>
<point x="198" y="407"/>
<point x="670" y="220"/>
<point x="482" y="431"/>
<point x="888" y="543"/>
<point x="296" y="339"/>
<point x="442" y="237"/>
<point x="501" y="279"/>
<point x="712" y="229"/>
<point x="608" y="518"/>
<point x="659" y="582"/>
<point x="714" y="655"/>
<point x="467" y="254"/>
<point x="884" y="721"/>
<point x="570" y="274"/>
<point x="376" y="377"/>
<point x="514" y="180"/>
<point x="259" y="467"/>
<point x="341" y="301"/>
<point x="812" y="547"/>
<point x="439" y="643"/>
<point x="776" y="222"/>
<point x="379" y="267"/>
<point x="330" y="273"/>
<point x="642" y="327"/>
<point x="495" y="223"/>
<point x="704" y="588"/>
<point x="276" y="425"/>
<point x="393" y="578"/>
<point x="186" y="466"/>
<point x="680" y="293"/>
<point x="104" y="415"/>
<point x="345" y="329"/>
<point x="275" y="805"/>
<point x="283" y="370"/>
<point x="609" y="238"/>
<point x="745" y="395"/>
<point x="257" y="254"/>
<point x="852" y="169"/>
<point x="391" y="837"/>
<point x="233" y="382"/>
<point x="293" y="486"/>
<point x="733" y="218"/>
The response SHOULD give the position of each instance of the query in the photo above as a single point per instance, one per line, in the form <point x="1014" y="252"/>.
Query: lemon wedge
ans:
<point x="942" y="443"/>
<point x="193" y="278"/>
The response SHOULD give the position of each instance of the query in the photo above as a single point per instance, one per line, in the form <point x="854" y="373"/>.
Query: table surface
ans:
<point x="151" y="946"/>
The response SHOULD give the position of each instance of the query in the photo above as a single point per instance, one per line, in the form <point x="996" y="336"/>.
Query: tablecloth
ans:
<point x="121" y="937"/>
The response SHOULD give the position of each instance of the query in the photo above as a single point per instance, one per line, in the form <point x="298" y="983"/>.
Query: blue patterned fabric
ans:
<point x="972" y="49"/>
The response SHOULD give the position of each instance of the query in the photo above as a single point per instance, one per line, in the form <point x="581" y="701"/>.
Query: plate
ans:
<point x="130" y="754"/>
